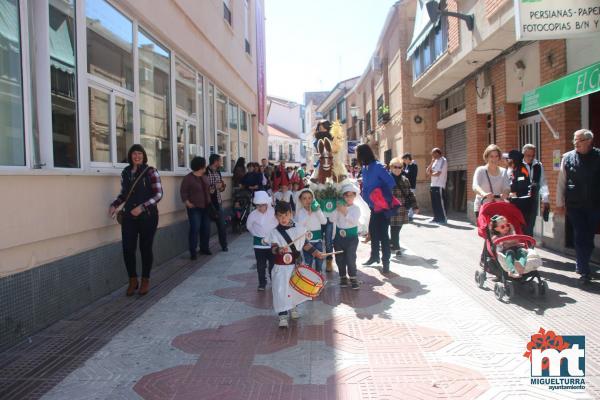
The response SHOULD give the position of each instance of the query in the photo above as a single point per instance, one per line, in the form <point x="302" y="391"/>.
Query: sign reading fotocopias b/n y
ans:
<point x="556" y="19"/>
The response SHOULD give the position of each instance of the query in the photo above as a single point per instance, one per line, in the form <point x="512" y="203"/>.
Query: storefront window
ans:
<point x="211" y="119"/>
<point x="154" y="75"/>
<point x="12" y="136"/>
<point x="124" y="128"/>
<point x="100" y="140"/>
<point x="233" y="133"/>
<point x="244" y="136"/>
<point x="222" y="135"/>
<point x="201" y="141"/>
<point x="185" y="90"/>
<point x="109" y="44"/>
<point x="63" y="83"/>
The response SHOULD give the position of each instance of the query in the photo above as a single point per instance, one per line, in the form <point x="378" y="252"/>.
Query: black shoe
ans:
<point x="225" y="248"/>
<point x="394" y="247"/>
<point x="386" y="267"/>
<point x="261" y="288"/>
<point x="371" y="261"/>
<point x="354" y="283"/>
<point x="584" y="279"/>
<point x="398" y="253"/>
<point x="343" y="282"/>
<point x="206" y="252"/>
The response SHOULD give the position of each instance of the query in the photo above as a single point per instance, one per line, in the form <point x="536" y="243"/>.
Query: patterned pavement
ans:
<point x="423" y="331"/>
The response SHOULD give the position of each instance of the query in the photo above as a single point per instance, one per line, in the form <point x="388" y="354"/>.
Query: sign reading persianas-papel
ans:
<point x="556" y="19"/>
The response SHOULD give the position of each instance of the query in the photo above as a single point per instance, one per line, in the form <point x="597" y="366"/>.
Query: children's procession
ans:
<point x="306" y="225"/>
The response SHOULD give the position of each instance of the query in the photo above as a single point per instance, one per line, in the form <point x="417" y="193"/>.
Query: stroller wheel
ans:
<point x="509" y="288"/>
<point x="477" y="273"/>
<point x="498" y="291"/>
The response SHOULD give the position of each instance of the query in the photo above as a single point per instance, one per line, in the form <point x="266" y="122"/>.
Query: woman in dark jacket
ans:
<point x="140" y="214"/>
<point x="239" y="171"/>
<point x="195" y="194"/>
<point x="407" y="199"/>
<point x="375" y="178"/>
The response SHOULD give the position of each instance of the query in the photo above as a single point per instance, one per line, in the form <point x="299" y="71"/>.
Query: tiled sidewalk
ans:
<point x="415" y="335"/>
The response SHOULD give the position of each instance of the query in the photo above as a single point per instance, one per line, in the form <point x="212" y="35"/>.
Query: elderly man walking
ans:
<point x="438" y="171"/>
<point x="579" y="190"/>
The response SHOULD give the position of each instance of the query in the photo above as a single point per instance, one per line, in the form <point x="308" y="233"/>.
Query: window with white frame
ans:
<point x="222" y="131"/>
<point x="12" y="134"/>
<point x="63" y="83"/>
<point x="154" y="75"/>
<point x="109" y="37"/>
<point x="244" y="135"/>
<point x="227" y="11"/>
<point x="185" y="104"/>
<point x="233" y="133"/>
<point x="201" y="146"/>
<point x="247" y="24"/>
<point x="212" y="133"/>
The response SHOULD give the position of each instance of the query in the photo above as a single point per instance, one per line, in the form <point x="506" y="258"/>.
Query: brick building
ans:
<point x="476" y="80"/>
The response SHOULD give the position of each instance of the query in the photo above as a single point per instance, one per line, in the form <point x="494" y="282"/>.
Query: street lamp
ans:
<point x="435" y="9"/>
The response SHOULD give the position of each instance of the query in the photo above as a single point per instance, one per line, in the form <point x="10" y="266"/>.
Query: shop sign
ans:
<point x="577" y="84"/>
<point x="556" y="19"/>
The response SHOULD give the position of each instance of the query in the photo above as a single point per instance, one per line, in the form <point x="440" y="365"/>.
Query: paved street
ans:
<point x="204" y="332"/>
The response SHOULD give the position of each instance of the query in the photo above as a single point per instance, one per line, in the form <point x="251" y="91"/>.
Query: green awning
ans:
<point x="423" y="26"/>
<point x="62" y="53"/>
<point x="9" y="26"/>
<point x="576" y="84"/>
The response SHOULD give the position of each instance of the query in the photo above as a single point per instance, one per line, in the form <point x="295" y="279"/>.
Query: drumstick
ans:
<point x="332" y="253"/>
<point x="288" y="244"/>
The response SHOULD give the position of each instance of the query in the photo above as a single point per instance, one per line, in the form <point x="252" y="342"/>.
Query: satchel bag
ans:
<point x="121" y="213"/>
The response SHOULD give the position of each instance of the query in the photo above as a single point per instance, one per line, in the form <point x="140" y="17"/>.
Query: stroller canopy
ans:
<point x="508" y="210"/>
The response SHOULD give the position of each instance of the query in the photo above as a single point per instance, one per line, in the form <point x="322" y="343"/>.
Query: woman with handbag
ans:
<point x="195" y="195"/>
<point x="141" y="190"/>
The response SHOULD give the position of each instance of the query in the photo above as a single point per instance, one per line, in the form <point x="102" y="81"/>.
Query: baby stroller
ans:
<point x="493" y="261"/>
<point x="242" y="206"/>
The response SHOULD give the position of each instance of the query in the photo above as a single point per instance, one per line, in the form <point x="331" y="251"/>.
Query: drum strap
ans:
<point x="288" y="239"/>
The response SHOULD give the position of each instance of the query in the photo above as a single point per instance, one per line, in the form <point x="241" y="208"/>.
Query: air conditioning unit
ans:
<point x="376" y="64"/>
<point x="145" y="74"/>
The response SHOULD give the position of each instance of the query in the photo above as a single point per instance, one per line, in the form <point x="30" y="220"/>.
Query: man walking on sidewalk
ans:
<point x="438" y="171"/>
<point x="216" y="187"/>
<point x="579" y="191"/>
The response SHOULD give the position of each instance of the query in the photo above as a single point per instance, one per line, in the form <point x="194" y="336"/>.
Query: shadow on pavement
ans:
<point x="539" y="305"/>
<point x="460" y="227"/>
<point x="424" y="225"/>
<point x="416" y="261"/>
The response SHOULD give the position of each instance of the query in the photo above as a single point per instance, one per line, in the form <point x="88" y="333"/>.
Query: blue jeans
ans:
<point x="308" y="258"/>
<point x="221" y="227"/>
<point x="199" y="226"/>
<point x="329" y="238"/>
<point x="585" y="222"/>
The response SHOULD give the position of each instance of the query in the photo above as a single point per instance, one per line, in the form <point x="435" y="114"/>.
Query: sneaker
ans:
<point x="283" y="321"/>
<point x="343" y="281"/>
<point x="261" y="288"/>
<point x="398" y="253"/>
<point x="294" y="314"/>
<point x="354" y="283"/>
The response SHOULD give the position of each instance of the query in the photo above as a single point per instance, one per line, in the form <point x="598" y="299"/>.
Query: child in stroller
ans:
<point x="515" y="254"/>
<point x="242" y="206"/>
<point x="500" y="224"/>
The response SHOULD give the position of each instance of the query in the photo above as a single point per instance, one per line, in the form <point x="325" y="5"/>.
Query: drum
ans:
<point x="307" y="281"/>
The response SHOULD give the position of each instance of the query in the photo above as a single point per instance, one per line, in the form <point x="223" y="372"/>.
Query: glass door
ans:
<point x="187" y="142"/>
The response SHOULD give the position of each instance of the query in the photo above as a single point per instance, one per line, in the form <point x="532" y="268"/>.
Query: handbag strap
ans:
<point x="489" y="181"/>
<point x="134" y="184"/>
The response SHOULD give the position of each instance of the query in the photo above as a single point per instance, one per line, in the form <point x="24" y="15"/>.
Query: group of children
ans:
<point x="282" y="240"/>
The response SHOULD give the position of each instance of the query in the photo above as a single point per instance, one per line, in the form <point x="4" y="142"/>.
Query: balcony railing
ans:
<point x="282" y="157"/>
<point x="272" y="156"/>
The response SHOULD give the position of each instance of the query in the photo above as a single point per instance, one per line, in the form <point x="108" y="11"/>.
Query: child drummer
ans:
<point x="286" y="240"/>
<point x="310" y="216"/>
<point x="260" y="223"/>
<point x="345" y="218"/>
